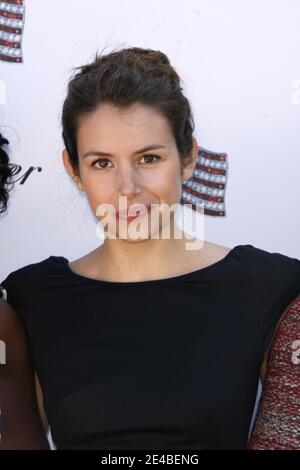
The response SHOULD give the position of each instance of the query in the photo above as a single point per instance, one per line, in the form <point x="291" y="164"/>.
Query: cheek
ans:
<point x="169" y="187"/>
<point x="97" y="191"/>
<point x="165" y="182"/>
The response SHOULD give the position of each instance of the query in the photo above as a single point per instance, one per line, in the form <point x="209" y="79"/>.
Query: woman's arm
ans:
<point x="277" y="422"/>
<point x="21" y="424"/>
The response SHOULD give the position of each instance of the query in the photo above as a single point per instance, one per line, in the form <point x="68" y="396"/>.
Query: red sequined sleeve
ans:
<point x="277" y="423"/>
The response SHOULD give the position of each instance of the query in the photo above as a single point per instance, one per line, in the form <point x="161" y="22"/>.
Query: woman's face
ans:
<point x="113" y="164"/>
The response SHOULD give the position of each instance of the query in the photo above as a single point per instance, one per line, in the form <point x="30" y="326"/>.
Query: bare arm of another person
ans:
<point x="40" y="400"/>
<point x="21" y="423"/>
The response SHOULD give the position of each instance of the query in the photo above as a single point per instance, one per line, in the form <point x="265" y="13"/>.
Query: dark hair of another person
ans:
<point x="123" y="78"/>
<point x="7" y="171"/>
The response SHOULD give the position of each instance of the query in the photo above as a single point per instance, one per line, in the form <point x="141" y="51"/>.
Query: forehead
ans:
<point x="138" y="123"/>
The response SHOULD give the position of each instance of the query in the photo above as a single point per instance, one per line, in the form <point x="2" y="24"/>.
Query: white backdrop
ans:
<point x="240" y="63"/>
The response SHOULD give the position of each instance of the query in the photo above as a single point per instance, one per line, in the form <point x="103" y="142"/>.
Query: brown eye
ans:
<point x="100" y="161"/>
<point x="150" y="156"/>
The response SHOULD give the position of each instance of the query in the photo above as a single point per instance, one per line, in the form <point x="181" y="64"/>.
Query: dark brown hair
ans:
<point x="123" y="78"/>
<point x="7" y="171"/>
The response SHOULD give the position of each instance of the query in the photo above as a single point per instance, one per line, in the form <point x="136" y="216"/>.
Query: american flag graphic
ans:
<point x="207" y="185"/>
<point x="12" y="14"/>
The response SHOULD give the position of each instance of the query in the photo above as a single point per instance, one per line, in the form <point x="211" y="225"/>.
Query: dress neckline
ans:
<point x="211" y="267"/>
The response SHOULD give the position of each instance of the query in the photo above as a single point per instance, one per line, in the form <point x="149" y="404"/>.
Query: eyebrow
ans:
<point x="105" y="154"/>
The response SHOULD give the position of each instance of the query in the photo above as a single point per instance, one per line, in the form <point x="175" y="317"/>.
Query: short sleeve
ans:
<point x="13" y="287"/>
<point x="20" y="289"/>
<point x="275" y="280"/>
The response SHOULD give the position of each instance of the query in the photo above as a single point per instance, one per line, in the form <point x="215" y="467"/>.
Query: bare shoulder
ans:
<point x="84" y="265"/>
<point x="207" y="255"/>
<point x="213" y="252"/>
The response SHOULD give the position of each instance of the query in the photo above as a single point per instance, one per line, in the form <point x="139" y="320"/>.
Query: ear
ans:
<point x="70" y="170"/>
<point x="190" y="162"/>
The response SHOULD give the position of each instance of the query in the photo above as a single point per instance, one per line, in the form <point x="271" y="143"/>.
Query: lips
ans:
<point x="135" y="210"/>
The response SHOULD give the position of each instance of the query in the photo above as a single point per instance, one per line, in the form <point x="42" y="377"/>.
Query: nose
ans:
<point x="129" y="183"/>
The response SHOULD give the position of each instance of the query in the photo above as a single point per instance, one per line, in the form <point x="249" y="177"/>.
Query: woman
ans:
<point x="21" y="426"/>
<point x="143" y="342"/>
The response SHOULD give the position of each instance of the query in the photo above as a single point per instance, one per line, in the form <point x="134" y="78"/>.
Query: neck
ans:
<point x="145" y="259"/>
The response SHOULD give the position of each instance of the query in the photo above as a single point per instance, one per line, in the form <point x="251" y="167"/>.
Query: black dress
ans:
<point x="162" y="364"/>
